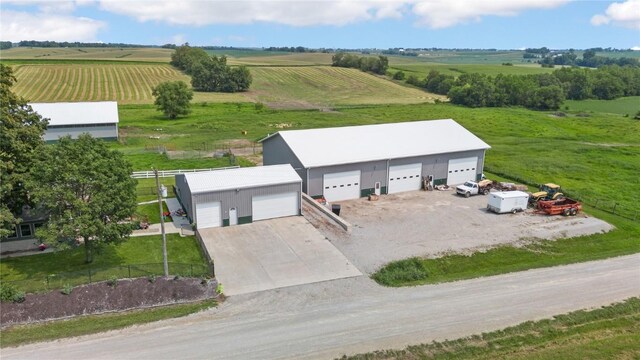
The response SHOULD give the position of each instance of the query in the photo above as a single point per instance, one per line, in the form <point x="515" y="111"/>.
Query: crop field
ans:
<point x="282" y="59"/>
<point x="421" y="69"/>
<point x="318" y="86"/>
<point x="623" y="106"/>
<point x="125" y="83"/>
<point x="113" y="54"/>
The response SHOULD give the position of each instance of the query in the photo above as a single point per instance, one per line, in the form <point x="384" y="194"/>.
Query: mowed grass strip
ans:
<point x="610" y="332"/>
<point x="125" y="83"/>
<point x="92" y="324"/>
<point x="507" y="258"/>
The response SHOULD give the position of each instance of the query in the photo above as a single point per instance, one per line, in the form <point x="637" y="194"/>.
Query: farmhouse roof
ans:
<point x="219" y="180"/>
<point x="353" y="144"/>
<point x="78" y="113"/>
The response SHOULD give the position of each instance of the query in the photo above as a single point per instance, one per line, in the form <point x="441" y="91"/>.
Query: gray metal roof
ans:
<point x="78" y="113"/>
<point x="353" y="144"/>
<point x="219" y="180"/>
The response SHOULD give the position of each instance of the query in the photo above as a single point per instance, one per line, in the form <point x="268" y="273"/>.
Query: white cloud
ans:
<point x="16" y="26"/>
<point x="294" y="13"/>
<point x="636" y="48"/>
<point x="51" y="6"/>
<point x="432" y="13"/>
<point x="178" y="39"/>
<point x="626" y="14"/>
<point x="439" y="14"/>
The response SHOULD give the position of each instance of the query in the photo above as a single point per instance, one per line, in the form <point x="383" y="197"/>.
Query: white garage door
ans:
<point x="341" y="186"/>
<point x="208" y="215"/>
<point x="273" y="206"/>
<point x="404" y="178"/>
<point x="461" y="170"/>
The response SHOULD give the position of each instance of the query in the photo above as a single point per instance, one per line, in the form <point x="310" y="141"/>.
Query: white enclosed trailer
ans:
<point x="507" y="201"/>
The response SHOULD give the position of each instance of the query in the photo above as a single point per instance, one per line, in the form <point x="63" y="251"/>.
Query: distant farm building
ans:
<point x="239" y="196"/>
<point x="100" y="119"/>
<point x="355" y="161"/>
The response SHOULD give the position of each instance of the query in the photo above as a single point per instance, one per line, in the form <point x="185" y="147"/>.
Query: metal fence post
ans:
<point x="129" y="267"/>
<point x="191" y="270"/>
<point x="89" y="270"/>
<point x="614" y="208"/>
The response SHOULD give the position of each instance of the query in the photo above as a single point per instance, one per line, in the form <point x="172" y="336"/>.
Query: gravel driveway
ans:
<point x="432" y="223"/>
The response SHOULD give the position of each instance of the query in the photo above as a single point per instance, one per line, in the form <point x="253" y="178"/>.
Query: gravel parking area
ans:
<point x="432" y="223"/>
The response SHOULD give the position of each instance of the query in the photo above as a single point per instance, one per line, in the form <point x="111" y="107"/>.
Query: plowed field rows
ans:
<point x="92" y="82"/>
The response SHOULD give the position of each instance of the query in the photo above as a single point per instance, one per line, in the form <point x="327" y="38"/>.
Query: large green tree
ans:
<point x="173" y="98"/>
<point x="21" y="131"/>
<point x="88" y="192"/>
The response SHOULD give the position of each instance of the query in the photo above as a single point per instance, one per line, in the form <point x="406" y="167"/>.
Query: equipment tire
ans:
<point x="566" y="212"/>
<point x="467" y="194"/>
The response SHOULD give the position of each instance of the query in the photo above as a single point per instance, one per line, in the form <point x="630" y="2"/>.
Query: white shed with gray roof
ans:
<point x="354" y="161"/>
<point x="239" y="196"/>
<point x="100" y="119"/>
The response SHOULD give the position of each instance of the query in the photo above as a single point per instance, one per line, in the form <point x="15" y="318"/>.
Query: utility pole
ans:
<point x="164" y="236"/>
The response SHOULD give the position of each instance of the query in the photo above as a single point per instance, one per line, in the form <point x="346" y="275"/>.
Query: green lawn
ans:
<point x="151" y="212"/>
<point x="30" y="272"/>
<point x="91" y="324"/>
<point x="610" y="332"/>
<point x="623" y="106"/>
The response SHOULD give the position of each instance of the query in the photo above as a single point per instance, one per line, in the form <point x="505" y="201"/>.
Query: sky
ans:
<point x="382" y="24"/>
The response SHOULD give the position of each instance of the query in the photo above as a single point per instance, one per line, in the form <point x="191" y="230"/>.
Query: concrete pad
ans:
<point x="272" y="254"/>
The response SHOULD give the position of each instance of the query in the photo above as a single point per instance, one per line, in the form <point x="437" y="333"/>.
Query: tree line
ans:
<point x="210" y="73"/>
<point x="374" y="64"/>
<point x="570" y="58"/>
<point x="540" y="91"/>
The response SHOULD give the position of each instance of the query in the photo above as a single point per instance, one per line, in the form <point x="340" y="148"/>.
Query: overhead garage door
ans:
<point x="404" y="178"/>
<point x="341" y="186"/>
<point x="461" y="170"/>
<point x="208" y="215"/>
<point x="273" y="206"/>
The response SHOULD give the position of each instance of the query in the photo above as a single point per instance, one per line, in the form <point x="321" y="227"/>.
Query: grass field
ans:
<point x="328" y="86"/>
<point x="626" y="105"/>
<point x="29" y="272"/>
<point x="610" y="332"/>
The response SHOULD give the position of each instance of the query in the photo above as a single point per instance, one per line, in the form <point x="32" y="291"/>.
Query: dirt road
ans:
<point x="326" y="320"/>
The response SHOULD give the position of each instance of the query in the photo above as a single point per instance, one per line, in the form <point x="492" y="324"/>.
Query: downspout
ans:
<point x="387" y="181"/>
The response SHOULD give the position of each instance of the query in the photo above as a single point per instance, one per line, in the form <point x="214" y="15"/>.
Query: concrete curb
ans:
<point x="340" y="221"/>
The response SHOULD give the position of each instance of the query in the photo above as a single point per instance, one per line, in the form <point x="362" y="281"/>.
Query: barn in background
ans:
<point x="100" y="119"/>
<point x="349" y="162"/>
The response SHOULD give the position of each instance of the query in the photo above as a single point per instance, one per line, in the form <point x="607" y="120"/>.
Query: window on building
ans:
<point x="25" y="230"/>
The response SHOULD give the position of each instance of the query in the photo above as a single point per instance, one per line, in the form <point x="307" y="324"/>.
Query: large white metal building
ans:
<point x="239" y="196"/>
<point x="100" y="119"/>
<point x="350" y="162"/>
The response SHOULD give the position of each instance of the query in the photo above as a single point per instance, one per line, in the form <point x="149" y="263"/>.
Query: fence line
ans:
<point x="169" y="173"/>
<point x="610" y="206"/>
<point x="91" y="275"/>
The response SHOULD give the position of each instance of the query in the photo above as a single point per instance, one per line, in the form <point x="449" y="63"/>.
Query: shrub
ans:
<point x="151" y="278"/>
<point x="66" y="289"/>
<point x="113" y="281"/>
<point x="9" y="293"/>
<point x="401" y="272"/>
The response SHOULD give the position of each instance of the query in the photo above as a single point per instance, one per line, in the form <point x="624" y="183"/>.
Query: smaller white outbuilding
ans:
<point x="239" y="196"/>
<point x="100" y="119"/>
